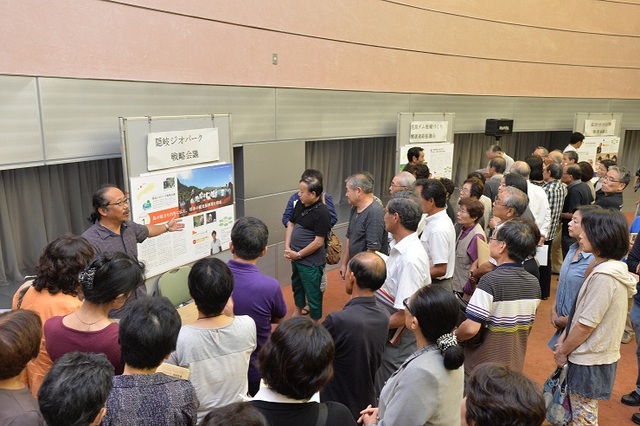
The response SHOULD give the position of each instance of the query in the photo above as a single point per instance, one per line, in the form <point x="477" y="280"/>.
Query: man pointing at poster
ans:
<point x="113" y="231"/>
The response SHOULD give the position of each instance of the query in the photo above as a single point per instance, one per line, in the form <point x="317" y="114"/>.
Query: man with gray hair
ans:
<point x="407" y="271"/>
<point x="503" y="307"/>
<point x="497" y="167"/>
<point x="511" y="203"/>
<point x="614" y="182"/>
<point x="495" y="151"/>
<point x="538" y="201"/>
<point x="541" y="152"/>
<point x="554" y="156"/>
<point x="556" y="192"/>
<point x="366" y="221"/>
<point x="401" y="182"/>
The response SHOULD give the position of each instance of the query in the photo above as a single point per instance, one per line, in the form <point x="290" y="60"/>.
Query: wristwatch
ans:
<point x="166" y="225"/>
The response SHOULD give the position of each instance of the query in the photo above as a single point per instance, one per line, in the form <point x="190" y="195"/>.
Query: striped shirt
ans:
<point x="505" y="301"/>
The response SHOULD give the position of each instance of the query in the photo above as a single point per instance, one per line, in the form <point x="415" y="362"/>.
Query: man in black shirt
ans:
<point x="304" y="246"/>
<point x="615" y="181"/>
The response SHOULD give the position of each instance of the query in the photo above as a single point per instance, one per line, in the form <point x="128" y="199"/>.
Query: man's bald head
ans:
<point x="369" y="270"/>
<point x="521" y="168"/>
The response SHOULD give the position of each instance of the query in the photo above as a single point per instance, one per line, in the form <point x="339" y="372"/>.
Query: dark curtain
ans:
<point x="339" y="159"/>
<point x="629" y="155"/>
<point x="469" y="150"/>
<point x="39" y="204"/>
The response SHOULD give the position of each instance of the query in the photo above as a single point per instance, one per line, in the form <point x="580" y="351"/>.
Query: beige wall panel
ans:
<point x="271" y="168"/>
<point x="318" y="114"/>
<point x="470" y="31"/>
<point x="471" y="111"/>
<point x="106" y="40"/>
<point x="552" y="114"/>
<point x="20" y="137"/>
<point x="630" y="110"/>
<point x="269" y="210"/>
<point x="80" y="117"/>
<point x="578" y="15"/>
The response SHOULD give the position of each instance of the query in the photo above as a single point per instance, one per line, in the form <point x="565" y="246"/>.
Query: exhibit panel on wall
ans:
<point x="180" y="167"/>
<point x="201" y="196"/>
<point x="433" y="132"/>
<point x="602" y="133"/>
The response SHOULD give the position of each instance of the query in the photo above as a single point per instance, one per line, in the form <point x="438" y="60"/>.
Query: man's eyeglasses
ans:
<point x="120" y="203"/>
<point x="609" y="179"/>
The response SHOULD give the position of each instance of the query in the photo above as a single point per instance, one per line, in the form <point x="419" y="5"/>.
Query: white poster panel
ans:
<point x="600" y="127"/>
<point x="438" y="156"/>
<point x="587" y="152"/>
<point x="595" y="149"/>
<point x="201" y="196"/>
<point x="167" y="150"/>
<point x="428" y="131"/>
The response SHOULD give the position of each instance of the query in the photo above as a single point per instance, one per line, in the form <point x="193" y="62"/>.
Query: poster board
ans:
<point x="602" y="133"/>
<point x="431" y="131"/>
<point x="200" y="194"/>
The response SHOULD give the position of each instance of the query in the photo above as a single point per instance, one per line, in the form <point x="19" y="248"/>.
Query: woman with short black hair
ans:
<point x="295" y="363"/>
<point x="591" y="342"/>
<point x="430" y="382"/>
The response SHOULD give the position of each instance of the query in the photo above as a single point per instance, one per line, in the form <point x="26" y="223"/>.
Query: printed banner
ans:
<point x="201" y="196"/>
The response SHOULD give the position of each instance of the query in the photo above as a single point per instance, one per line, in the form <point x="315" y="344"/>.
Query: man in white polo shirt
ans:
<point x="438" y="236"/>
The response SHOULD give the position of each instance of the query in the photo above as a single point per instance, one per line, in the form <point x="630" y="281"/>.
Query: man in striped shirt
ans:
<point x="503" y="307"/>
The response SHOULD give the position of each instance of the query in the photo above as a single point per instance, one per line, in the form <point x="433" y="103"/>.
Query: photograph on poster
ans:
<point x="202" y="196"/>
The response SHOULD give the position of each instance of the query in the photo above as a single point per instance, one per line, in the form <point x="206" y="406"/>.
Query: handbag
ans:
<point x="334" y="246"/>
<point x="334" y="249"/>
<point x="556" y="398"/>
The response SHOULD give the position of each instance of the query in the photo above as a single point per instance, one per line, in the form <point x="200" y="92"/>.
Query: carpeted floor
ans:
<point x="539" y="361"/>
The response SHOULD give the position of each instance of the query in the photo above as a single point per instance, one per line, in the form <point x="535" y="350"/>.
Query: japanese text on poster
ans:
<point x="600" y="127"/>
<point x="201" y="196"/>
<point x="428" y="131"/>
<point x="181" y="148"/>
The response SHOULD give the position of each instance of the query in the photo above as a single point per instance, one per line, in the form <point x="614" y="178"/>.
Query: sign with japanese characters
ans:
<point x="181" y="148"/>
<point x="428" y="131"/>
<point x="438" y="156"/>
<point x="202" y="197"/>
<point x="600" y="127"/>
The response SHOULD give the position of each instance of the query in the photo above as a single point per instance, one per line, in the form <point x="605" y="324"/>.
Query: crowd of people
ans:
<point x="443" y="299"/>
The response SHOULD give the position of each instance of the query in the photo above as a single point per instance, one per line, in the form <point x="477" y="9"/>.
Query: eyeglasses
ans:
<point x="494" y="238"/>
<point x="609" y="179"/>
<point x="405" y="302"/>
<point x="119" y="203"/>
<point x="497" y="202"/>
<point x="399" y="186"/>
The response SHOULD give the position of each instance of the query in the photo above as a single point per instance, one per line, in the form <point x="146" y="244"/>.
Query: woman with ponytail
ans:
<point x="106" y="283"/>
<point x="430" y="382"/>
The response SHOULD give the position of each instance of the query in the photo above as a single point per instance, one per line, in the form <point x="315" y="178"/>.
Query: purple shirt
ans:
<point x="260" y="297"/>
